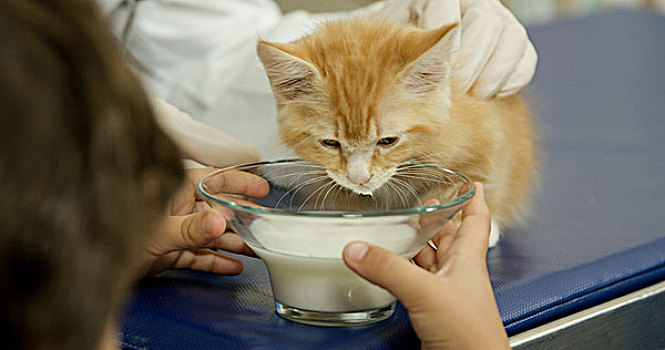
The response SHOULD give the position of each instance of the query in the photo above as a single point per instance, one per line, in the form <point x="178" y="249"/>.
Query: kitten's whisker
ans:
<point x="280" y="169"/>
<point x="427" y="176"/>
<point x="373" y="196"/>
<point x="382" y="188"/>
<point x="421" y="170"/>
<point x="312" y="180"/>
<point x="295" y="189"/>
<point x="423" y="158"/>
<point x="328" y="184"/>
<point x="307" y="167"/>
<point x="310" y="196"/>
<point x="426" y="182"/>
<point x="401" y="197"/>
<point x="414" y="170"/>
<point x="293" y="181"/>
<point x="398" y="189"/>
<point x="282" y="176"/>
<point x="432" y="178"/>
<point x="410" y="189"/>
<point x="340" y="189"/>
<point x="323" y="203"/>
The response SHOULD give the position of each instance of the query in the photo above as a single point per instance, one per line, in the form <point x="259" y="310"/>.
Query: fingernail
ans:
<point x="356" y="251"/>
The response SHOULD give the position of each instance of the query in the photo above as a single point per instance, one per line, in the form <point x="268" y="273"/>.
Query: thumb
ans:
<point x="191" y="231"/>
<point x="388" y="270"/>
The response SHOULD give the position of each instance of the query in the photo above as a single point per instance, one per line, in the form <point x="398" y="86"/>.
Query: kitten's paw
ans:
<point x="495" y="233"/>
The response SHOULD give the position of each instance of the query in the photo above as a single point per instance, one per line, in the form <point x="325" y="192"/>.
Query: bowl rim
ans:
<point x="333" y="214"/>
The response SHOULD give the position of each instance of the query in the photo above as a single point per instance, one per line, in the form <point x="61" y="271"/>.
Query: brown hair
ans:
<point x="85" y="173"/>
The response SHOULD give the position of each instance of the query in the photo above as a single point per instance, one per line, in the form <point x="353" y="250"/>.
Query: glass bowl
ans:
<point x="302" y="226"/>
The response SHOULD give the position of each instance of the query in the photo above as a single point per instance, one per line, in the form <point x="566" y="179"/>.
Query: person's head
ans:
<point x="85" y="174"/>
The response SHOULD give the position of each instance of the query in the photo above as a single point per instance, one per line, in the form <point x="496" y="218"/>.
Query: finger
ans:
<point x="523" y="73"/>
<point x="509" y="51"/>
<point x="388" y="270"/>
<point x="195" y="174"/>
<point x="233" y="243"/>
<point x="426" y="219"/>
<point x="427" y="259"/>
<point x="480" y="34"/>
<point x="238" y="182"/>
<point x="200" y="206"/>
<point x="445" y="237"/>
<point x="190" y="231"/>
<point x="207" y="260"/>
<point x="430" y="256"/>
<point x="473" y="234"/>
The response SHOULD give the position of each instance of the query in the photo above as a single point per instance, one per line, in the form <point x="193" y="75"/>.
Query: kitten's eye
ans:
<point x="387" y="141"/>
<point x="330" y="143"/>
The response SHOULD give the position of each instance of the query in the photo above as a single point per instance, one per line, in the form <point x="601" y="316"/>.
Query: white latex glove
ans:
<point x="495" y="56"/>
<point x="201" y="142"/>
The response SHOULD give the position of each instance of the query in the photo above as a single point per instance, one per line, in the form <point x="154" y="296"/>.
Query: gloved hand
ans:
<point x="495" y="56"/>
<point x="201" y="142"/>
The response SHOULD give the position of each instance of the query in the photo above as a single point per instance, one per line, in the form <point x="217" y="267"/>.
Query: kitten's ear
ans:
<point x="290" y="76"/>
<point x="431" y="69"/>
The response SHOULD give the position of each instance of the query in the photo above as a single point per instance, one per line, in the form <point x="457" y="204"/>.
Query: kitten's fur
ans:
<point x="360" y="81"/>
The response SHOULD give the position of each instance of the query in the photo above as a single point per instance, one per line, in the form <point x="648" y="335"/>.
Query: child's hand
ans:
<point x="192" y="228"/>
<point x="450" y="299"/>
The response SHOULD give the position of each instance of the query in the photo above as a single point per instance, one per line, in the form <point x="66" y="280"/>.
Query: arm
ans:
<point x="201" y="142"/>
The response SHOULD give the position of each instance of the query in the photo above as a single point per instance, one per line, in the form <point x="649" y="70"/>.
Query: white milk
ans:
<point x="305" y="259"/>
<point x="320" y="284"/>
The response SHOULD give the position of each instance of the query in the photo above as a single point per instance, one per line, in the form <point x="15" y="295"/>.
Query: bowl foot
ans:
<point x="334" y="319"/>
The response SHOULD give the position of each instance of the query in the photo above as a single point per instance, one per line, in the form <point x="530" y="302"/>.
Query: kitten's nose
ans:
<point x="360" y="179"/>
<point x="358" y="169"/>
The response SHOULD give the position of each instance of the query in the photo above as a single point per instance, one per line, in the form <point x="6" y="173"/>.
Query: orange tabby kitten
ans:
<point x="362" y="96"/>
